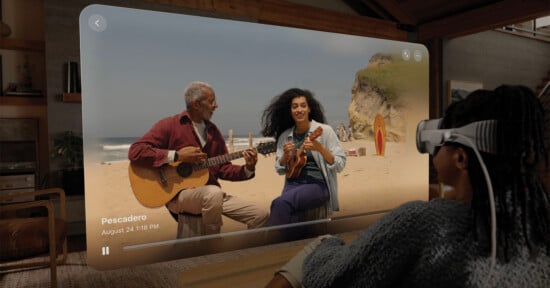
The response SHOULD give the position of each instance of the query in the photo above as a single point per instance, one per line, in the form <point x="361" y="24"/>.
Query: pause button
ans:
<point x="105" y="250"/>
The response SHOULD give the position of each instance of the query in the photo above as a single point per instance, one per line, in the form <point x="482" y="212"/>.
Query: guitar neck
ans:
<point x="219" y="160"/>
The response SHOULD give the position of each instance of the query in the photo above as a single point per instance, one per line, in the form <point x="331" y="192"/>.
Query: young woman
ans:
<point x="308" y="154"/>
<point x="450" y="243"/>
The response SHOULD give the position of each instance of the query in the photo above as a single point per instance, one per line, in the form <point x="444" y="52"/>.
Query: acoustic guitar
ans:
<point x="298" y="162"/>
<point x="154" y="187"/>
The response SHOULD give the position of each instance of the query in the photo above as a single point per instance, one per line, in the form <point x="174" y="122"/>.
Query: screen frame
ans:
<point x="180" y="248"/>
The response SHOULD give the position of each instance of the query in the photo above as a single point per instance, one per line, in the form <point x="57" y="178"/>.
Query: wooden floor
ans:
<point x="76" y="243"/>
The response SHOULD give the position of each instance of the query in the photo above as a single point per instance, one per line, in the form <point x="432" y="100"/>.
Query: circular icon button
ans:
<point x="97" y="22"/>
<point x="406" y="54"/>
<point x="417" y="55"/>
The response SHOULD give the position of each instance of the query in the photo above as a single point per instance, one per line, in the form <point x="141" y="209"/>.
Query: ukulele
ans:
<point x="154" y="187"/>
<point x="298" y="161"/>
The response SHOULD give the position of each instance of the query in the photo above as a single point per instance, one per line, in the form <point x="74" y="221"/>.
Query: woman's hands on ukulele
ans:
<point x="288" y="152"/>
<point x="289" y="149"/>
<point x="315" y="145"/>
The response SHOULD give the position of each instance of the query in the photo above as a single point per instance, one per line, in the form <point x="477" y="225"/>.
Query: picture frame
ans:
<point x="458" y="90"/>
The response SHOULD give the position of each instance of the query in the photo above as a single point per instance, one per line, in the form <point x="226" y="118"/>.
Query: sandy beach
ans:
<point x="368" y="183"/>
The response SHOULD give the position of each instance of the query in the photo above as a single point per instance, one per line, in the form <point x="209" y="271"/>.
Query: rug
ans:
<point x="77" y="274"/>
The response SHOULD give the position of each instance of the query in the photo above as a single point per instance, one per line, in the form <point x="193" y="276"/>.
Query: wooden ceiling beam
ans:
<point x="485" y="18"/>
<point x="394" y="10"/>
<point x="361" y="9"/>
<point x="379" y="11"/>
<point x="284" y="13"/>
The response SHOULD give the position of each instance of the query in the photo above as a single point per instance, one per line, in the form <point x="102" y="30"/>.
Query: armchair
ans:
<point x="24" y="237"/>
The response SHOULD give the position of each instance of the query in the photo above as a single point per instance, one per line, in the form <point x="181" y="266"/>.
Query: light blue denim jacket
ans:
<point x="331" y="142"/>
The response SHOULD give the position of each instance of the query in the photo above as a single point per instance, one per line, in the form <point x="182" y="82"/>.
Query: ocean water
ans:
<point x="116" y="148"/>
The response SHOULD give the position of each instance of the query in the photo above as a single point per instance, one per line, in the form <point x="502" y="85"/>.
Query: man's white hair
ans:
<point x="193" y="91"/>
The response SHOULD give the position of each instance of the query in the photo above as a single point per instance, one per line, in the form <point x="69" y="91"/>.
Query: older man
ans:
<point x="191" y="137"/>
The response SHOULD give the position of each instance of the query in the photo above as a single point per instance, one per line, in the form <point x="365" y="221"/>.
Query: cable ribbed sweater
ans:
<point x="420" y="244"/>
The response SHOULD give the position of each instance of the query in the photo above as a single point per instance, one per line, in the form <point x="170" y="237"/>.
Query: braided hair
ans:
<point x="522" y="203"/>
<point x="276" y="118"/>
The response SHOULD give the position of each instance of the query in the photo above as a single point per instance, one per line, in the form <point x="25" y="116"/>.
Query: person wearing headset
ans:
<point x="494" y="233"/>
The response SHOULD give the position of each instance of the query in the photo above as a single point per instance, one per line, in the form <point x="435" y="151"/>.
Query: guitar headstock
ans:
<point x="316" y="133"/>
<point x="265" y="148"/>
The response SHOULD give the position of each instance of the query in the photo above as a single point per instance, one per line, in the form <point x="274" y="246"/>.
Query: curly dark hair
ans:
<point x="276" y="118"/>
<point x="521" y="201"/>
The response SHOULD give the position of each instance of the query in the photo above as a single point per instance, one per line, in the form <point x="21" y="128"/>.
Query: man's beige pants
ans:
<point x="211" y="202"/>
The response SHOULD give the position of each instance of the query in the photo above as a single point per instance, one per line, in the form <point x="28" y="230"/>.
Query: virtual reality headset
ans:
<point x="479" y="135"/>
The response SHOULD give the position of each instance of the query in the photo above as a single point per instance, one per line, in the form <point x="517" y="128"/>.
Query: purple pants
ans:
<point x="297" y="196"/>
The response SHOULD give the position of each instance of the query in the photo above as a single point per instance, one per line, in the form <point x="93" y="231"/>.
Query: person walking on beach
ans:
<point x="293" y="118"/>
<point x="342" y="133"/>
<point x="191" y="137"/>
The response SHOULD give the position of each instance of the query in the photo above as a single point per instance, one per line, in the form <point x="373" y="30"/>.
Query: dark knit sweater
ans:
<point x="419" y="244"/>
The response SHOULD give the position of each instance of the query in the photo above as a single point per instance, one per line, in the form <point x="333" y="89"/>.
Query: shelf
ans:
<point x="21" y="44"/>
<point x="72" y="98"/>
<point x="18" y="100"/>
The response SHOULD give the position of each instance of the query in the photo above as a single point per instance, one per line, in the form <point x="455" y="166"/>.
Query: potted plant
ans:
<point x="67" y="146"/>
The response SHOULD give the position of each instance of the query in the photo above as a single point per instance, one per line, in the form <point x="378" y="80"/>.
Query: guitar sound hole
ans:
<point x="184" y="169"/>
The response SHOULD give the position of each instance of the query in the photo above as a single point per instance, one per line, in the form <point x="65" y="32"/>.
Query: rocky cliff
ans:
<point x="374" y="92"/>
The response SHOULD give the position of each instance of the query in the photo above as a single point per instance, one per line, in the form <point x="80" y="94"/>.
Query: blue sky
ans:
<point x="134" y="72"/>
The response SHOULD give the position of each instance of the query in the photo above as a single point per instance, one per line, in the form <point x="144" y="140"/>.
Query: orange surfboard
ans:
<point x="379" y="129"/>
